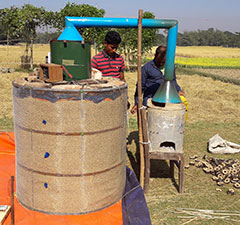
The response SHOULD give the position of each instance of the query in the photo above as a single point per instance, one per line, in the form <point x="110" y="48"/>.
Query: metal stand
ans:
<point x="176" y="158"/>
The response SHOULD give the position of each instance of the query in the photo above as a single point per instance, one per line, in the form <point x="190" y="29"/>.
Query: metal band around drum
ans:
<point x="68" y="134"/>
<point x="63" y="213"/>
<point x="70" y="175"/>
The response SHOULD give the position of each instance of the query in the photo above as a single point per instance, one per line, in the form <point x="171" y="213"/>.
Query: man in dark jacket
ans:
<point x="152" y="77"/>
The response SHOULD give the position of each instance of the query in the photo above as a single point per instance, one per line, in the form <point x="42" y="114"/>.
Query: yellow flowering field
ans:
<point x="205" y="56"/>
<point x="208" y="56"/>
<point x="209" y="62"/>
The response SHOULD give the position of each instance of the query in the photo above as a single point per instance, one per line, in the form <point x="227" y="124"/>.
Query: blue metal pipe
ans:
<point x="171" y="48"/>
<point x="69" y="32"/>
<point x="167" y="93"/>
<point x="119" y="22"/>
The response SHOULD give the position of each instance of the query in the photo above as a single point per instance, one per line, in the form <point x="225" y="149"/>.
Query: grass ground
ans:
<point x="10" y="56"/>
<point x="214" y="108"/>
<point x="229" y="73"/>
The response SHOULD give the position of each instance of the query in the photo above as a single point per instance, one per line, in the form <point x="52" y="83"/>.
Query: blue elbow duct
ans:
<point x="70" y="33"/>
<point x="170" y="56"/>
<point x="119" y="22"/>
<point x="167" y="93"/>
<point x="73" y="22"/>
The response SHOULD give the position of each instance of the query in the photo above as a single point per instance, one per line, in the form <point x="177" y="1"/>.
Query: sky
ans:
<point x="192" y="15"/>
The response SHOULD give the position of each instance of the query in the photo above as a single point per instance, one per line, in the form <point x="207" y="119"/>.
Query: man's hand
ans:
<point x="134" y="109"/>
<point x="181" y="93"/>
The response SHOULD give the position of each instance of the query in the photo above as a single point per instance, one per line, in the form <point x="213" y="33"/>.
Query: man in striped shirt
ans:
<point x="108" y="61"/>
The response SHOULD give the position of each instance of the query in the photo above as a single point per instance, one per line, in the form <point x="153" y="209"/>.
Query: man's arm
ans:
<point x="122" y="70"/>
<point x="94" y="63"/>
<point x="122" y="76"/>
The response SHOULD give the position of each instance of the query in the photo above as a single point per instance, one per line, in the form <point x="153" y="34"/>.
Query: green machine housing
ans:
<point x="75" y="56"/>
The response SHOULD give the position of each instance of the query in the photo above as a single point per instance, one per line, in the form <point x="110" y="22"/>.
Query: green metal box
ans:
<point x="75" y="56"/>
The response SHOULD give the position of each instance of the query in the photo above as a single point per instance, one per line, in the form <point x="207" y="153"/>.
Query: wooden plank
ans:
<point x="181" y="175"/>
<point x="172" y="169"/>
<point x="177" y="164"/>
<point x="4" y="213"/>
<point x="165" y="156"/>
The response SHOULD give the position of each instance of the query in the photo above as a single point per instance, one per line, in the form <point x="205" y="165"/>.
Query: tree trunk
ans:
<point x="31" y="56"/>
<point x="7" y="45"/>
<point x="127" y="59"/>
<point x="25" y="59"/>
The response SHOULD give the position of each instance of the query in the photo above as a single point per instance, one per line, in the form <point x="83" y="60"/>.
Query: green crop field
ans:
<point x="213" y="108"/>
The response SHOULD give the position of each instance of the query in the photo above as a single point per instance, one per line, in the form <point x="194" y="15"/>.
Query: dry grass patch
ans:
<point x="210" y="100"/>
<point x="229" y="73"/>
<point x="10" y="56"/>
<point x="6" y="107"/>
<point x="40" y="51"/>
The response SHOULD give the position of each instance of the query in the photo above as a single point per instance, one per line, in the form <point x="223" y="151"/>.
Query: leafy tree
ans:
<point x="45" y="37"/>
<point x="160" y="40"/>
<point x="209" y="37"/>
<point x="31" y="18"/>
<point x="232" y="40"/>
<point x="9" y="20"/>
<point x="188" y="38"/>
<point x="129" y="42"/>
<point x="81" y="10"/>
<point x="23" y="23"/>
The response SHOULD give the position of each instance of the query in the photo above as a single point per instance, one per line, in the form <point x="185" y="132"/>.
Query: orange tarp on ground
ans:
<point x="23" y="216"/>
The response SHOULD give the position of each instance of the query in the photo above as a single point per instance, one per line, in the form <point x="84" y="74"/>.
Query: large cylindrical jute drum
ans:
<point x="70" y="145"/>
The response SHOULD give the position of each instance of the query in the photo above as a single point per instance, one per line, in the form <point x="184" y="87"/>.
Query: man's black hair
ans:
<point x="113" y="37"/>
<point x="160" y="50"/>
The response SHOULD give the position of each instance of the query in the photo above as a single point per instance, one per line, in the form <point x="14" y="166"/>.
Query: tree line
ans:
<point x="210" y="37"/>
<point x="23" y="23"/>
